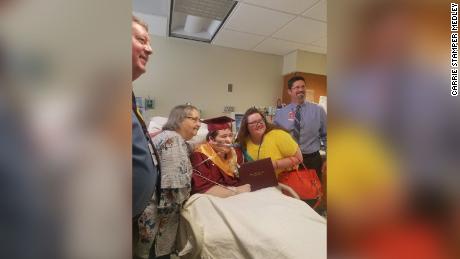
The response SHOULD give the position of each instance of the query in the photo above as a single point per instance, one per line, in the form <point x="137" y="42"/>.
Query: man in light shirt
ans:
<point x="306" y="121"/>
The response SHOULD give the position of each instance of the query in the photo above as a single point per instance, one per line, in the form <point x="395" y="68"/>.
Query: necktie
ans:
<point x="298" y="118"/>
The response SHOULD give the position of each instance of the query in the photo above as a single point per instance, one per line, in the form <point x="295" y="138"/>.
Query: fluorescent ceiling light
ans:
<point x="198" y="20"/>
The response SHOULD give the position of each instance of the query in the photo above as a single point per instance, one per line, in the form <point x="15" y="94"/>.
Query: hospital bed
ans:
<point x="261" y="224"/>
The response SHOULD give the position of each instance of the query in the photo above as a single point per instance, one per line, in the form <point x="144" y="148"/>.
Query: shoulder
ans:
<point x="197" y="156"/>
<point x="283" y="113"/>
<point x="285" y="109"/>
<point x="167" y="137"/>
<point x="281" y="137"/>
<point x="199" y="148"/>
<point x="277" y="133"/>
<point x="250" y="145"/>
<point x="167" y="134"/>
<point x="313" y="105"/>
<point x="248" y="141"/>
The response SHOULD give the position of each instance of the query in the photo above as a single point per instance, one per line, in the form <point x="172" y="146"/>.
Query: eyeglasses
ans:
<point x="298" y="87"/>
<point x="194" y="119"/>
<point x="257" y="122"/>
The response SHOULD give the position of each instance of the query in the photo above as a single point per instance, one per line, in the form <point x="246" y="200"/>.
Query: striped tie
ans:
<point x="298" y="118"/>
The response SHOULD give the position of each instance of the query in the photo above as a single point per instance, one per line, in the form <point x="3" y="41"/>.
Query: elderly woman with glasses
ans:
<point x="175" y="185"/>
<point x="260" y="139"/>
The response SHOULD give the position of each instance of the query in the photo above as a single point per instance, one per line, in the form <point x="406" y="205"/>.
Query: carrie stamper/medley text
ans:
<point x="454" y="49"/>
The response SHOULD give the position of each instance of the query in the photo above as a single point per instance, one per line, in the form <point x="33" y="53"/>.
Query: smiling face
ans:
<point x="141" y="49"/>
<point x="224" y="136"/>
<point x="189" y="127"/>
<point x="256" y="126"/>
<point x="297" y="92"/>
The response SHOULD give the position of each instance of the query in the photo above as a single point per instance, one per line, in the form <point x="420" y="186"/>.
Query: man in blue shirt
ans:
<point x="306" y="121"/>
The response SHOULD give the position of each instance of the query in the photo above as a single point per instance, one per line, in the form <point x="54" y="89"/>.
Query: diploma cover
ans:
<point x="259" y="174"/>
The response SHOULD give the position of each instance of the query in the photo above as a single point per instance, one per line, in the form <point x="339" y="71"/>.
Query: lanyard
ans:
<point x="261" y="142"/>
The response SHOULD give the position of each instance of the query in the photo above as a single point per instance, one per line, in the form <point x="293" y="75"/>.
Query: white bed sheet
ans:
<point x="262" y="224"/>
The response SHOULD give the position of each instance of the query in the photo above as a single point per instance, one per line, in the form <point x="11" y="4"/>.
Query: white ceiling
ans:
<point x="270" y="26"/>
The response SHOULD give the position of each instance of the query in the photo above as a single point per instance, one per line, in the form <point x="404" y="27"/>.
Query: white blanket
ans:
<point x="262" y="224"/>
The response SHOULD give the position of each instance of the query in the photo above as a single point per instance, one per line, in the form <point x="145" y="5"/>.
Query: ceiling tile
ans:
<point x="319" y="11"/>
<point x="235" y="39"/>
<point x="302" y="30"/>
<point x="157" y="7"/>
<point x="257" y="20"/>
<point x="320" y="43"/>
<point x="290" y="24"/>
<point x="277" y="47"/>
<point x="290" y="6"/>
<point x="158" y="25"/>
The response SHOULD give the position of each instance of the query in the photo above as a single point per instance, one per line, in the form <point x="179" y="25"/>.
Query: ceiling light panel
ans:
<point x="198" y="19"/>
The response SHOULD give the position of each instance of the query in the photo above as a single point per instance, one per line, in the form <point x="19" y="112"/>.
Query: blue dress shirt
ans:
<point x="312" y="125"/>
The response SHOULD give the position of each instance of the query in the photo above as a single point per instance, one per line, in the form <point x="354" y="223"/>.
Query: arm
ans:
<point x="290" y="151"/>
<point x="200" y="184"/>
<point x="287" y="161"/>
<point x="211" y="172"/>
<point x="222" y="192"/>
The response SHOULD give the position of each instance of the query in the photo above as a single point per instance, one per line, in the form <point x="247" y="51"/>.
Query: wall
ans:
<point x="182" y="71"/>
<point x="309" y="62"/>
<point x="290" y="63"/>
<point x="303" y="61"/>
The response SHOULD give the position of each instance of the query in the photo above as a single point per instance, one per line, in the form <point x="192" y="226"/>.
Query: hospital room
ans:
<point x="244" y="129"/>
<point x="216" y="85"/>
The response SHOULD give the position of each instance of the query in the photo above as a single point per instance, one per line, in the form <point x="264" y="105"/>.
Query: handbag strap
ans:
<point x="293" y="162"/>
<point x="296" y="168"/>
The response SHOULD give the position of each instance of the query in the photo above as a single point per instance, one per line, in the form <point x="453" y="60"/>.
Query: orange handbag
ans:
<point x="304" y="182"/>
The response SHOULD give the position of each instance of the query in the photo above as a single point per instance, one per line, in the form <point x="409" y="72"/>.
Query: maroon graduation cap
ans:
<point x="219" y="123"/>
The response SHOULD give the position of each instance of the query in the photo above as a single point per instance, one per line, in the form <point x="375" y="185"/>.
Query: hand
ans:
<point x="243" y="188"/>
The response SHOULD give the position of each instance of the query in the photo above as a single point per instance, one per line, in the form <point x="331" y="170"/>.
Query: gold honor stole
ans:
<point x="227" y="166"/>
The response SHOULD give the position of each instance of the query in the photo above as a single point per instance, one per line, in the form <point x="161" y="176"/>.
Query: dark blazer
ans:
<point x="145" y="173"/>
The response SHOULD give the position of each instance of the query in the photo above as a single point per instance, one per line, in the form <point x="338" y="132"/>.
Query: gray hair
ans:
<point x="177" y="116"/>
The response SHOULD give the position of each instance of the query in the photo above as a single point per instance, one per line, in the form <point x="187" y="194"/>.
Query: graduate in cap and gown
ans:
<point x="216" y="161"/>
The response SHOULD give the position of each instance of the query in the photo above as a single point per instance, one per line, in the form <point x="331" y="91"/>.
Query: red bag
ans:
<point x="304" y="182"/>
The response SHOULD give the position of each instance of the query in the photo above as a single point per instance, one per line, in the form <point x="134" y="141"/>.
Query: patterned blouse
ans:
<point x="160" y="221"/>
